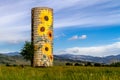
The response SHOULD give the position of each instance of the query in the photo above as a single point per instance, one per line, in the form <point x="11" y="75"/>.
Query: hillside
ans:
<point x="106" y="60"/>
<point x="16" y="59"/>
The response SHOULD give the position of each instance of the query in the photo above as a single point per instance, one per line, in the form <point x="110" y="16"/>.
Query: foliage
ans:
<point x="78" y="64"/>
<point x="28" y="51"/>
<point x="97" y="64"/>
<point x="117" y="64"/>
<point x="7" y="64"/>
<point x="68" y="64"/>
<point x="88" y="64"/>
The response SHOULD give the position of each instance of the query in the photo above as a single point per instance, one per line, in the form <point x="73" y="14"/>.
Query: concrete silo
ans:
<point x="42" y="36"/>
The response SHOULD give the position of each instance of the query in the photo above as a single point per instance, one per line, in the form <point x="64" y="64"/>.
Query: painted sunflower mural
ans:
<point x="46" y="17"/>
<point x="50" y="35"/>
<point x="42" y="29"/>
<point x="42" y="36"/>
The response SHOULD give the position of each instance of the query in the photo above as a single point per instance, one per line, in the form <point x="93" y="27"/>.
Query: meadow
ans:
<point x="59" y="73"/>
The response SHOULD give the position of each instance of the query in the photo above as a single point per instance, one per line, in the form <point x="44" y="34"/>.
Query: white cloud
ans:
<point x="14" y="22"/>
<point x="15" y="34"/>
<point x="66" y="13"/>
<point x="11" y="18"/>
<point x="83" y="37"/>
<point x="117" y="39"/>
<point x="58" y="5"/>
<point x="59" y="35"/>
<point x="78" y="37"/>
<point x="76" y="13"/>
<point x="89" y="13"/>
<point x="74" y="37"/>
<point x="4" y="51"/>
<point x="104" y="50"/>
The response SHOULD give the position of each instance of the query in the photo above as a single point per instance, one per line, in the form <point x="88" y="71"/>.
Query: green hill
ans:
<point x="13" y="60"/>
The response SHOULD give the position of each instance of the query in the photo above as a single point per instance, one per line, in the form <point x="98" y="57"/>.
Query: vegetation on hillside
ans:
<point x="19" y="60"/>
<point x="13" y="60"/>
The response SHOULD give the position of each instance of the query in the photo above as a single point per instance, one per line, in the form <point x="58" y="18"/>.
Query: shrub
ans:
<point x="7" y="64"/>
<point x="68" y="64"/>
<point x="97" y="64"/>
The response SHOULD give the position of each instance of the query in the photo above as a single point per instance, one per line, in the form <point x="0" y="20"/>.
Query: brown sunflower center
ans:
<point x="42" y="29"/>
<point x="50" y="35"/>
<point x="51" y="57"/>
<point x="46" y="18"/>
<point x="46" y="48"/>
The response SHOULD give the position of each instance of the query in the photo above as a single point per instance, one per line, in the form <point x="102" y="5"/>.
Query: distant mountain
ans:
<point x="16" y="59"/>
<point x="11" y="53"/>
<point x="106" y="60"/>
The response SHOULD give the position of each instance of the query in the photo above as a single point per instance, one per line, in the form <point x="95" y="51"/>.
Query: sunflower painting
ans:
<point x="42" y="36"/>
<point x="50" y="34"/>
<point x="42" y="30"/>
<point x="46" y="18"/>
<point x="46" y="49"/>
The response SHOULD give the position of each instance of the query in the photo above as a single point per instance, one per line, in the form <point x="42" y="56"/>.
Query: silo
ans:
<point x="42" y="36"/>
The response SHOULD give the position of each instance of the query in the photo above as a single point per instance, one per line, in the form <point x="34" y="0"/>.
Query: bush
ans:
<point x="68" y="64"/>
<point x="97" y="64"/>
<point x="117" y="64"/>
<point x="88" y="64"/>
<point x="78" y="64"/>
<point x="15" y="65"/>
<point x="7" y="64"/>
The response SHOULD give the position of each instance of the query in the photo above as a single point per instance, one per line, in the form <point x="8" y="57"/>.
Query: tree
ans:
<point x="97" y="64"/>
<point x="27" y="51"/>
<point x="68" y="64"/>
<point x="88" y="64"/>
<point x="76" y="64"/>
<point x="117" y="64"/>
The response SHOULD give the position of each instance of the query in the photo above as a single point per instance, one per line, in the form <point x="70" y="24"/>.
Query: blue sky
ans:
<point x="81" y="27"/>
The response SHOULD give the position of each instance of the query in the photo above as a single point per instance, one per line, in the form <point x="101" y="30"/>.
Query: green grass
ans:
<point x="60" y="73"/>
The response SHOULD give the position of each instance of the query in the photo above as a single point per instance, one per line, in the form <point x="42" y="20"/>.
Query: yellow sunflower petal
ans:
<point x="41" y="30"/>
<point x="47" y="49"/>
<point x="46" y="18"/>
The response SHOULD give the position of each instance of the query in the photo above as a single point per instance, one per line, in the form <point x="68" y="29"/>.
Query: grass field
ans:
<point x="60" y="73"/>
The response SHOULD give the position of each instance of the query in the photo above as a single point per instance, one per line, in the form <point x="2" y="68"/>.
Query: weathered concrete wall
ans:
<point x="42" y="36"/>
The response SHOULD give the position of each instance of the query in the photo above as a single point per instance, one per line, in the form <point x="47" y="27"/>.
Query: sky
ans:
<point x="81" y="27"/>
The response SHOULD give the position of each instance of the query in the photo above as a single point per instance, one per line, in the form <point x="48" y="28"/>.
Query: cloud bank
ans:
<point x="16" y="16"/>
<point x="66" y="13"/>
<point x="104" y="50"/>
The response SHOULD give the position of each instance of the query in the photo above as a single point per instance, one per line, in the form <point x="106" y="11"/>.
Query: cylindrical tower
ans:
<point x="42" y="36"/>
